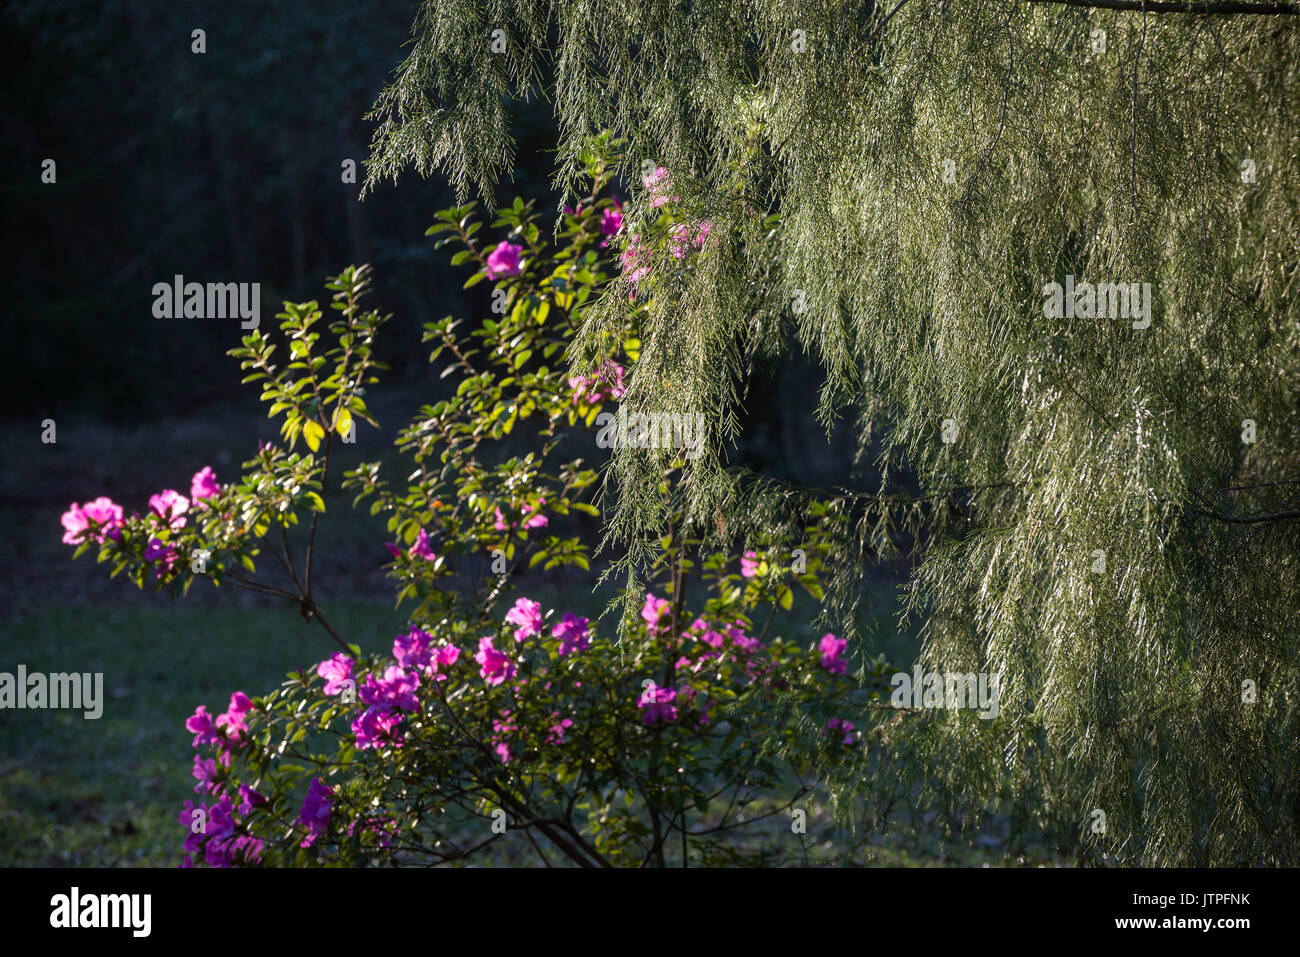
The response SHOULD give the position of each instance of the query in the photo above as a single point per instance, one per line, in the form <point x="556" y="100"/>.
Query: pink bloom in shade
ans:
<point x="315" y="813"/>
<point x="504" y="260"/>
<point x="741" y="640"/>
<point x="843" y="727"/>
<point x="170" y="506"/>
<point x="831" y="648"/>
<point x="531" y="518"/>
<point x="337" y="671"/>
<point x="636" y="260"/>
<point x="378" y="726"/>
<point x="395" y="690"/>
<point x="200" y="725"/>
<point x="204" y="484"/>
<point x="657" y="183"/>
<point x="527" y="615"/>
<point x="658" y="703"/>
<point x="393" y="549"/>
<point x="249" y="799"/>
<point x="612" y="220"/>
<point x="164" y="554"/>
<point x="233" y="719"/>
<point x="555" y="734"/>
<point x="421" y="547"/>
<point x="494" y="666"/>
<point x="205" y="772"/>
<point x="749" y="564"/>
<point x="447" y="656"/>
<point x="572" y="632"/>
<point x="652" y="611"/>
<point x="412" y="649"/>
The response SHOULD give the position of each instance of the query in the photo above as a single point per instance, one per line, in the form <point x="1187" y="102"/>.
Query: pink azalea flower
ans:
<point x="421" y="547"/>
<point x="636" y="260"/>
<point x="378" y="726"/>
<point x="572" y="632"/>
<point x="396" y="689"/>
<point x="741" y="640"/>
<point x="657" y="183"/>
<point x="652" y="611"/>
<point x="170" y="506"/>
<point x="393" y="549"/>
<point x="204" y="484"/>
<point x="842" y="727"/>
<point x="556" y="733"/>
<point x="527" y="615"/>
<point x="205" y="772"/>
<point x="104" y="512"/>
<point x="315" y="813"/>
<point x="249" y="799"/>
<point x="504" y="260"/>
<point x="200" y="725"/>
<point x="749" y="565"/>
<point x="831" y="648"/>
<point x="337" y="671"/>
<point x="233" y="719"/>
<point x="494" y="666"/>
<point x="612" y="220"/>
<point x="531" y="518"/>
<point x="165" y="555"/>
<point x="658" y="703"/>
<point x="447" y="656"/>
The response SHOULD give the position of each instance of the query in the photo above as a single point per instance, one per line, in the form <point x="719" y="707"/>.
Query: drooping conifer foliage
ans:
<point x="1046" y="255"/>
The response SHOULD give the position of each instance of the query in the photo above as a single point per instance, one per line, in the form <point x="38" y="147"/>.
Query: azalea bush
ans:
<point x="683" y="727"/>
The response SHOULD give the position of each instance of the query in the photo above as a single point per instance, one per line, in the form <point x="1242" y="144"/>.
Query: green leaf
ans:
<point x="312" y="433"/>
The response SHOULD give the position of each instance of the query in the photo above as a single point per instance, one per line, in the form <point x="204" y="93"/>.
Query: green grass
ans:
<point x="107" y="792"/>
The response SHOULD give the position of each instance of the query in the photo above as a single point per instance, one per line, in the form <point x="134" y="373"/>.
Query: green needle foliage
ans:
<point x="1108" y="513"/>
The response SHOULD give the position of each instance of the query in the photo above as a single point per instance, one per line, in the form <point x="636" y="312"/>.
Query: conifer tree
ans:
<point x="1045" y="252"/>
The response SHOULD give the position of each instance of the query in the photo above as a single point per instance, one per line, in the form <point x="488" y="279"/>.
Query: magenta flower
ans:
<point x="531" y="518"/>
<point x="395" y="690"/>
<point x="315" y="813"/>
<point x="494" y="666"/>
<point x="612" y="220"/>
<point x="741" y="640"/>
<point x="200" y="725"/>
<point x="205" y="772"/>
<point x="831" y="648"/>
<point x="572" y="632"/>
<point x="657" y="183"/>
<point x="233" y="718"/>
<point x="204" y="484"/>
<point x="555" y="734"/>
<point x="170" y="506"/>
<point x="527" y="616"/>
<point x="393" y="549"/>
<point x="636" y="260"/>
<point x="159" y="551"/>
<point x="749" y="564"/>
<point x="606" y="383"/>
<point x="337" y="672"/>
<point x="377" y="726"/>
<point x="421" y="547"/>
<point x="412" y="649"/>
<point x="658" y="703"/>
<point x="103" y="512"/>
<point x="842" y="727"/>
<point x="504" y="260"/>
<point x="249" y="799"/>
<point x="447" y="656"/>
<point x="653" y="610"/>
